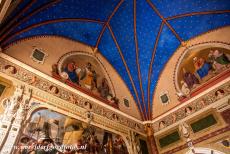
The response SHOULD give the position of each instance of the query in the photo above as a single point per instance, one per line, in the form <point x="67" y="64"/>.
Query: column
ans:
<point x="151" y="139"/>
<point x="6" y="119"/>
<point x="20" y="112"/>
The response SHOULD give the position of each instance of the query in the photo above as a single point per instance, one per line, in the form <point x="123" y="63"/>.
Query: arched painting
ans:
<point x="62" y="134"/>
<point x="201" y="65"/>
<point x="85" y="71"/>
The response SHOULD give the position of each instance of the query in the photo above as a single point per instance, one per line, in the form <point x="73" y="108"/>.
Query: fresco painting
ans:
<point x="60" y="134"/>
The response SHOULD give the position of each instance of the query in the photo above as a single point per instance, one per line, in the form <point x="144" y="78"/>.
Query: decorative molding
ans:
<point x="203" y="138"/>
<point x="209" y="100"/>
<point x="189" y="101"/>
<point x="66" y="97"/>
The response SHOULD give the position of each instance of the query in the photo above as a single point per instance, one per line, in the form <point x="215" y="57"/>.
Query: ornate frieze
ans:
<point x="195" y="106"/>
<point x="72" y="101"/>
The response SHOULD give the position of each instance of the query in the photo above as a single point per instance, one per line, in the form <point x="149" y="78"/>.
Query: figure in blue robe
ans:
<point x="203" y="71"/>
<point x="201" y="66"/>
<point x="71" y="71"/>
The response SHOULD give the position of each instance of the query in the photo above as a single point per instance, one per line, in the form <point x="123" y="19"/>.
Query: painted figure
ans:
<point x="94" y="83"/>
<point x="70" y="69"/>
<point x="190" y="79"/>
<point x="53" y="89"/>
<point x="55" y="68"/>
<point x="10" y="69"/>
<point x="184" y="88"/>
<point x="161" y="125"/>
<point x="220" y="60"/>
<point x="88" y="79"/>
<point x="88" y="105"/>
<point x="104" y="88"/>
<point x="115" y="117"/>
<point x="202" y="68"/>
<point x="188" y="110"/>
<point x="219" y="93"/>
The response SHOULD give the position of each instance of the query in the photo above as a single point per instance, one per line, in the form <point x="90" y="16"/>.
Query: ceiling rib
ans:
<point x="151" y="64"/>
<point x="128" y="72"/>
<point x="107" y="22"/>
<point x="164" y="20"/>
<point x="137" y="54"/>
<point x="28" y="16"/>
<point x="197" y="13"/>
<point x="49" y="22"/>
<point x="16" y="17"/>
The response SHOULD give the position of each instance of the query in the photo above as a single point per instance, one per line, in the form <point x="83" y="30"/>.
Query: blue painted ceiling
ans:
<point x="136" y="36"/>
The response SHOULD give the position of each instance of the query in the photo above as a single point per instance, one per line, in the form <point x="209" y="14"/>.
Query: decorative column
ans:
<point x="10" y="107"/>
<point x="151" y="139"/>
<point x="133" y="143"/>
<point x="21" y="106"/>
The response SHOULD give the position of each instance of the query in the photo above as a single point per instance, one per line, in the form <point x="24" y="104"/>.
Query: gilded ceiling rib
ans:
<point x="128" y="71"/>
<point x="197" y="13"/>
<point x="45" y="6"/>
<point x="165" y="21"/>
<point x="15" y="18"/>
<point x="137" y="57"/>
<point x="48" y="22"/>
<point x="107" y="22"/>
<point x="151" y="65"/>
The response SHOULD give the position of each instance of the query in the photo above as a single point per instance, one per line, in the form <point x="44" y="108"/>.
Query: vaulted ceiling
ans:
<point x="136" y="36"/>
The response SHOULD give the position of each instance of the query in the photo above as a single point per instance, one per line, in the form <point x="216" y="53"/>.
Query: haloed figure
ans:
<point x="219" y="93"/>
